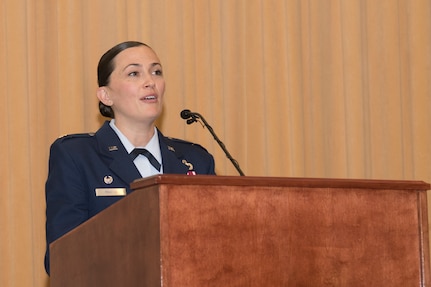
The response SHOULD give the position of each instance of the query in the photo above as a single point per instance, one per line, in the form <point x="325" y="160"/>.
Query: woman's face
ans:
<point x="136" y="86"/>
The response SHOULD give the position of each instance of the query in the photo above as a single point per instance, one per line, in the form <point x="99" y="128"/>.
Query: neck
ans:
<point x="138" y="135"/>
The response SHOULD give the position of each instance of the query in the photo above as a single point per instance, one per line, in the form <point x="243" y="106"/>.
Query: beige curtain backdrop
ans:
<point x="294" y="88"/>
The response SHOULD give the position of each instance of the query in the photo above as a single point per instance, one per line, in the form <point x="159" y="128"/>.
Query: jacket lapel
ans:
<point x="172" y="159"/>
<point x="115" y="154"/>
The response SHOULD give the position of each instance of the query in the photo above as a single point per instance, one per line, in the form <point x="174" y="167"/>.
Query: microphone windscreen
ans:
<point x="185" y="114"/>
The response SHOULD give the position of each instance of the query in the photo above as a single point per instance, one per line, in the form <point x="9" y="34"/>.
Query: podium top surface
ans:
<point x="280" y="182"/>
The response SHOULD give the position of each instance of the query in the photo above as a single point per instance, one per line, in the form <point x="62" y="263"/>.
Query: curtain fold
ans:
<point x="335" y="89"/>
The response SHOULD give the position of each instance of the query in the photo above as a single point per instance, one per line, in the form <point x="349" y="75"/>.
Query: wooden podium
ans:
<point x="187" y="231"/>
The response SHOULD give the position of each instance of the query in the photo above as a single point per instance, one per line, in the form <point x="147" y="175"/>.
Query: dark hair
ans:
<point x="105" y="68"/>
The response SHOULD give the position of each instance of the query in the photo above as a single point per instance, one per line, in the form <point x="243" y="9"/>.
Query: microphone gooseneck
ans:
<point x="192" y="117"/>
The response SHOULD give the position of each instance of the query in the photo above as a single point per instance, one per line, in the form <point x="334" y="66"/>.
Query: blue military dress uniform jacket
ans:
<point x="81" y="163"/>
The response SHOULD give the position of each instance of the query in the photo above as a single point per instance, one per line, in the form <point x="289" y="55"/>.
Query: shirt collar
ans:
<point x="152" y="146"/>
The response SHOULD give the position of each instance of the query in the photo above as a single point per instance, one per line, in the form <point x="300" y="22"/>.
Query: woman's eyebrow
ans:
<point x="133" y="65"/>
<point x="140" y="65"/>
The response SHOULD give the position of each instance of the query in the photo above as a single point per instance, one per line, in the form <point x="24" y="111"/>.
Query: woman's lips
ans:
<point x="149" y="98"/>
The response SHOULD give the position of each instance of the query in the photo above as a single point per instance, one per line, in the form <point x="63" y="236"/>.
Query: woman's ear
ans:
<point x="103" y="96"/>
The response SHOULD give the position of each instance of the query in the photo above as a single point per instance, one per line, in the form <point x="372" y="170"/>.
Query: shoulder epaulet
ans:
<point x="71" y="136"/>
<point x="180" y="141"/>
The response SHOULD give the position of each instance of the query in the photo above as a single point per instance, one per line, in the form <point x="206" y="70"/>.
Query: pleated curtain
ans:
<point x="293" y="88"/>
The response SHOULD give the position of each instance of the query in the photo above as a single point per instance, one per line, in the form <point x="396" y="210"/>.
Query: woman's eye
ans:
<point x="158" y="72"/>
<point x="133" y="74"/>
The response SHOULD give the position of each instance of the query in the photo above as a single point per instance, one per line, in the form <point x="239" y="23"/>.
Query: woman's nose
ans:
<point x="149" y="82"/>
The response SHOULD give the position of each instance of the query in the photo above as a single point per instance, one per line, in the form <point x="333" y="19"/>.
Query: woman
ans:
<point x="89" y="172"/>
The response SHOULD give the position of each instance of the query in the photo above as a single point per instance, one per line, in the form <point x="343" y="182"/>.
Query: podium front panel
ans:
<point x="235" y="231"/>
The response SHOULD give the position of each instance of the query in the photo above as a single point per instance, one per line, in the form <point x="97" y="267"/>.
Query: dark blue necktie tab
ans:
<point x="147" y="154"/>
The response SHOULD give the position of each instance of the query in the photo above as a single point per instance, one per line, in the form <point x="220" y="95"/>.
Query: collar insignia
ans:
<point x="113" y="148"/>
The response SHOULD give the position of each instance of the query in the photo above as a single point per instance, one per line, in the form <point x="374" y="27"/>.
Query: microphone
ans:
<point x="185" y="114"/>
<point x="192" y="117"/>
<point x="189" y="116"/>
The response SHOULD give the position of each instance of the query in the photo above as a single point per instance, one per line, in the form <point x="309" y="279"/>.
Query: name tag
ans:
<point x="111" y="191"/>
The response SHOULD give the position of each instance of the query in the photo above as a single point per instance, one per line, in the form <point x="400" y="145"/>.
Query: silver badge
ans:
<point x="108" y="179"/>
